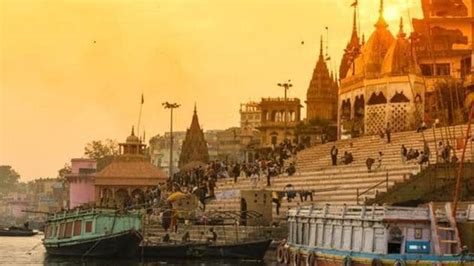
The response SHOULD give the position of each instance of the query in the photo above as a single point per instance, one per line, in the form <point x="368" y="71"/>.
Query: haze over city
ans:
<point x="74" y="71"/>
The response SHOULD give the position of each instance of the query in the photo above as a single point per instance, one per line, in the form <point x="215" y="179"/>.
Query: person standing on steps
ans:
<point x="388" y="133"/>
<point x="334" y="152"/>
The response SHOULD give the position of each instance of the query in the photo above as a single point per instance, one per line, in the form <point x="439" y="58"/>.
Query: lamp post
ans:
<point x="171" y="106"/>
<point x="286" y="86"/>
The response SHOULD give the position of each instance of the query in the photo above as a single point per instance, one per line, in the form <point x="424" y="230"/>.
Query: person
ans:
<point x="379" y="159"/>
<point x="166" y="219"/>
<point x="334" y="152"/>
<point x="423" y="159"/>
<point x="186" y="237"/>
<point x="440" y="150"/>
<point x="166" y="238"/>
<point x="369" y="162"/>
<point x="348" y="158"/>
<point x="277" y="200"/>
<point x="26" y="225"/>
<point x="213" y="236"/>
<point x="304" y="195"/>
<point x="291" y="170"/>
<point x="388" y="132"/>
<point x="404" y="153"/>
<point x="421" y="127"/>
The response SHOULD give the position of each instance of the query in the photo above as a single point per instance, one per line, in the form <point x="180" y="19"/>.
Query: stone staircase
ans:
<point x="341" y="184"/>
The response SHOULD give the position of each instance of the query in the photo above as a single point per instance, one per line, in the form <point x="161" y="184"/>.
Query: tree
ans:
<point x="98" y="149"/>
<point x="102" y="151"/>
<point x="8" y="178"/>
<point x="64" y="171"/>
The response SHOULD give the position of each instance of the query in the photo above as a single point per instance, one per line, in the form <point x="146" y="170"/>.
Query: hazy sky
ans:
<point x="73" y="71"/>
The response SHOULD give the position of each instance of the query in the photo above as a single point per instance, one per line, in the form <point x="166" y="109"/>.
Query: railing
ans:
<point x="371" y="188"/>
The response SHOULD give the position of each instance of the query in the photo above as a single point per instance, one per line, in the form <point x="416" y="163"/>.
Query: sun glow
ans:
<point x="392" y="13"/>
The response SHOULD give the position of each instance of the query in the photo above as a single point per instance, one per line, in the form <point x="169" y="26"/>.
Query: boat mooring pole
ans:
<point x="457" y="190"/>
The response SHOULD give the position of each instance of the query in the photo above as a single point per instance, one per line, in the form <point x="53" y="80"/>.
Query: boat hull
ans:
<point x="326" y="257"/>
<point x="254" y="250"/>
<point x="190" y="250"/>
<point x="124" y="244"/>
<point x="17" y="233"/>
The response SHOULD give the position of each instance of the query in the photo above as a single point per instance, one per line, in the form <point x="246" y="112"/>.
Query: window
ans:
<point x="426" y="69"/>
<point x="47" y="231"/>
<point x="443" y="70"/>
<point x="77" y="227"/>
<point x="68" y="231"/>
<point x="88" y="226"/>
<point x="61" y="231"/>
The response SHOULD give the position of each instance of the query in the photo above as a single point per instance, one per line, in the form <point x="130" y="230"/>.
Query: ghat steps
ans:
<point x="339" y="184"/>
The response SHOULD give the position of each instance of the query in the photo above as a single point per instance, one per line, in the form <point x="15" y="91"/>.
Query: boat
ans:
<point x="251" y="250"/>
<point x="93" y="232"/>
<point x="17" y="231"/>
<point x="376" y="235"/>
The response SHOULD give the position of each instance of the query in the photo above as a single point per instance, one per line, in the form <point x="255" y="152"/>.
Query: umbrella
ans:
<point x="176" y="196"/>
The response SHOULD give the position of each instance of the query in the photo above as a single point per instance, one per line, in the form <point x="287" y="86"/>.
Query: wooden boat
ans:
<point x="175" y="250"/>
<point x="93" y="233"/>
<point x="17" y="231"/>
<point x="252" y="250"/>
<point x="375" y="235"/>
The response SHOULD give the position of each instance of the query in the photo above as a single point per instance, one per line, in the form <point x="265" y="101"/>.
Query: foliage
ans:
<point x="102" y="151"/>
<point x="8" y="178"/>
<point x="64" y="171"/>
<point x="98" y="149"/>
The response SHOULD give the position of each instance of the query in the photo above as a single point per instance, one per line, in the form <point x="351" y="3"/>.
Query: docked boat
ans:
<point x="251" y="250"/>
<point x="376" y="235"/>
<point x="93" y="233"/>
<point x="17" y="231"/>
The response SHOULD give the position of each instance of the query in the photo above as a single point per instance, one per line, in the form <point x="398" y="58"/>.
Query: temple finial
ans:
<point x="321" y="46"/>
<point x="401" y="34"/>
<point x="195" y="109"/>
<point x="354" y="22"/>
<point x="133" y="131"/>
<point x="381" y="22"/>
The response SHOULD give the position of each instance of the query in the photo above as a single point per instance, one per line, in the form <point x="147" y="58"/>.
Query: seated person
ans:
<point x="422" y="127"/>
<point x="348" y="158"/>
<point x="291" y="170"/>
<point x="212" y="237"/>
<point x="186" y="237"/>
<point x="166" y="238"/>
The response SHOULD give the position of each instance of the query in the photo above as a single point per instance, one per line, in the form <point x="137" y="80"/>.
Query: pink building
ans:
<point x="17" y="203"/>
<point x="81" y="182"/>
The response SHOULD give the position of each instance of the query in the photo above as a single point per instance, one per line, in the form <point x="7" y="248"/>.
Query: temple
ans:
<point x="128" y="177"/>
<point x="194" y="147"/>
<point x="322" y="92"/>
<point x="383" y="87"/>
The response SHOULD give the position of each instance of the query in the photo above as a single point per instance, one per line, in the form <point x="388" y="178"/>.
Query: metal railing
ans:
<point x="372" y="187"/>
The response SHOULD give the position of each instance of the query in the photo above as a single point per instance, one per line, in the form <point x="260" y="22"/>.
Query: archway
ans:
<point x="121" y="197"/>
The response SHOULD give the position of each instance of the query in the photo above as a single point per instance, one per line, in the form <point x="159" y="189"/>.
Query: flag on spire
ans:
<point x="355" y="4"/>
<point x="143" y="99"/>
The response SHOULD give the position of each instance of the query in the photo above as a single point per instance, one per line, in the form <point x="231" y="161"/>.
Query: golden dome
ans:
<point x="132" y="138"/>
<point x="369" y="62"/>
<point x="400" y="58"/>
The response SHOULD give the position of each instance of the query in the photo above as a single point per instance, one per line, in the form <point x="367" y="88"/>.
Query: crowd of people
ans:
<point x="201" y="180"/>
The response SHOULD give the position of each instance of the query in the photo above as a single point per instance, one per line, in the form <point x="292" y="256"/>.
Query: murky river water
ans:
<point x="30" y="251"/>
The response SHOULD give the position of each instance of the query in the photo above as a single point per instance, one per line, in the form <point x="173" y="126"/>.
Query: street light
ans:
<point x="171" y="106"/>
<point x="286" y="86"/>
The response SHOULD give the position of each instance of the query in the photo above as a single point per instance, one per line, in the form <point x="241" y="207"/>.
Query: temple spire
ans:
<point x="195" y="109"/>
<point x="321" y="47"/>
<point x="133" y="131"/>
<point x="354" y="23"/>
<point x="381" y="22"/>
<point x="401" y="33"/>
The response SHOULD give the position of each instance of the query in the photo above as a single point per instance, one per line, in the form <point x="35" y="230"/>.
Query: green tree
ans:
<point x="102" y="151"/>
<point x="8" y="178"/>
<point x="64" y="171"/>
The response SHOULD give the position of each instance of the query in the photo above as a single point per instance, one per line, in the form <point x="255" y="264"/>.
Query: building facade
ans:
<point x="385" y="87"/>
<point x="81" y="182"/>
<point x="443" y="41"/>
<point x="250" y="115"/>
<point x="279" y="119"/>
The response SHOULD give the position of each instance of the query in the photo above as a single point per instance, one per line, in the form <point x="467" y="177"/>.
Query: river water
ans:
<point x="30" y="251"/>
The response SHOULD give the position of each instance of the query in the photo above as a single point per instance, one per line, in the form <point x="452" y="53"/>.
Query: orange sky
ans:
<point x="73" y="71"/>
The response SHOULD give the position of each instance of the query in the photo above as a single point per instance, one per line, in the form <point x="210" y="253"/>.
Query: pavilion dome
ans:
<point x="132" y="138"/>
<point x="400" y="58"/>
